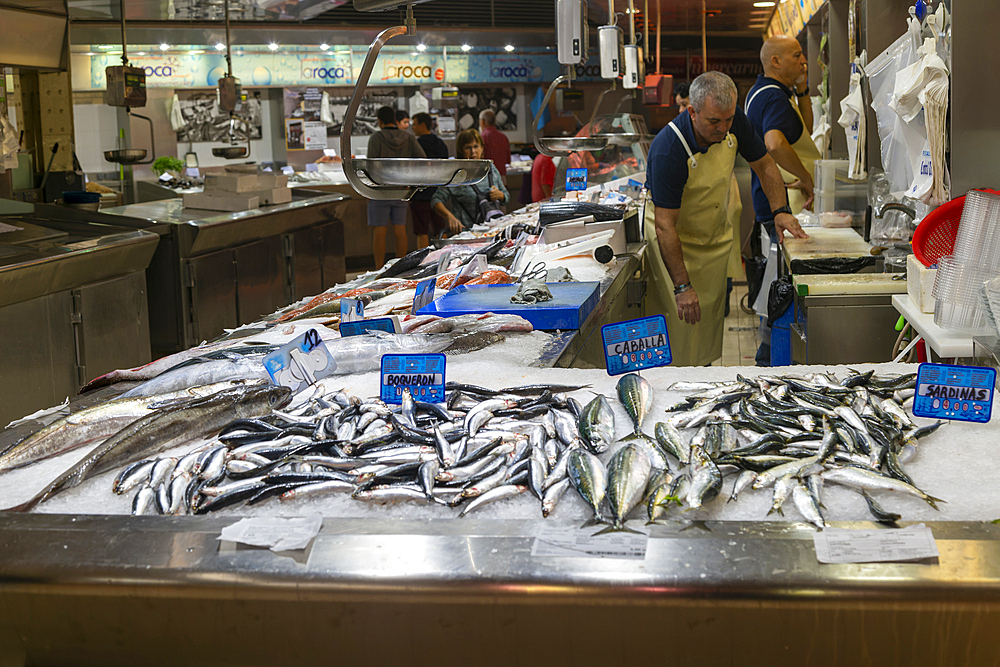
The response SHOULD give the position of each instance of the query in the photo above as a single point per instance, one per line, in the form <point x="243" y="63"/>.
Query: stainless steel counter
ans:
<point x="158" y="591"/>
<point x="216" y="271"/>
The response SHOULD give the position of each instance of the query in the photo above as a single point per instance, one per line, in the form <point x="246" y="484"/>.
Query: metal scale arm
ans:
<point x="352" y="109"/>
<point x="575" y="143"/>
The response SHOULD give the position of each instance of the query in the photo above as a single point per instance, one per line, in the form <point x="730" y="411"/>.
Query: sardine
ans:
<point x="499" y="493"/>
<point x="872" y="481"/>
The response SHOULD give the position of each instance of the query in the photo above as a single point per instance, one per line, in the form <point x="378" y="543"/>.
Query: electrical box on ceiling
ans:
<point x="610" y="46"/>
<point x="444" y="97"/>
<point x="658" y="90"/>
<point x="126" y="86"/>
<point x="634" y="67"/>
<point x="572" y="31"/>
<point x="569" y="99"/>
<point x="230" y="94"/>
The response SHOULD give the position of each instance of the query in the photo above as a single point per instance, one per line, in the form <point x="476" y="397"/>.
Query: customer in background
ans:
<point x="543" y="177"/>
<point x="460" y="205"/>
<point x="681" y="96"/>
<point x="402" y="119"/>
<point x="496" y="146"/>
<point x="389" y="141"/>
<point x="426" y="219"/>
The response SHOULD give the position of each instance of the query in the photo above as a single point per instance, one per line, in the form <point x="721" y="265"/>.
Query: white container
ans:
<point x="919" y="284"/>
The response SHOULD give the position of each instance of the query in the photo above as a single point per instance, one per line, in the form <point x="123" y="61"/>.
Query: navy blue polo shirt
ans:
<point x="770" y="110"/>
<point x="666" y="168"/>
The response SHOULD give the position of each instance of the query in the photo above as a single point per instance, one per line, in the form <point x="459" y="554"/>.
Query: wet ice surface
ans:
<point x="957" y="463"/>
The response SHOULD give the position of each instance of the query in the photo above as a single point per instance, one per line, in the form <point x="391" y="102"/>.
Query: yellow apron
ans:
<point x="735" y="268"/>
<point x="804" y="148"/>
<point x="706" y="235"/>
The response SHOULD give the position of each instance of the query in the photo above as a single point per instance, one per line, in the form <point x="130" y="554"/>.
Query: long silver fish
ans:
<point x="165" y="429"/>
<point x="636" y="394"/>
<point x="597" y="424"/>
<point x="873" y="481"/>
<point x="590" y="479"/>
<point x="628" y="473"/>
<point x="94" y="423"/>
<point x="671" y="441"/>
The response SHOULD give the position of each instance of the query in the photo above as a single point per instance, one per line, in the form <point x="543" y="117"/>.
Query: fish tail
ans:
<point x="595" y="520"/>
<point x="617" y="527"/>
<point x="932" y="501"/>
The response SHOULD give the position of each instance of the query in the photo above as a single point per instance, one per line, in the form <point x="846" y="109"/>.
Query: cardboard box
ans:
<point x="220" y="201"/>
<point x="239" y="183"/>
<point x="919" y="283"/>
<point x="272" y="196"/>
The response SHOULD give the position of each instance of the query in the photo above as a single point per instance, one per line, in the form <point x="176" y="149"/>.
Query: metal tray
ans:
<point x="420" y="172"/>
<point x="125" y="155"/>
<point x="230" y="152"/>
<point x="623" y="139"/>
<point x="573" y="143"/>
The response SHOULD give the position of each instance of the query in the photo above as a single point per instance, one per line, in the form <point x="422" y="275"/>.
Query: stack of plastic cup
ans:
<point x="958" y="305"/>
<point x="961" y="303"/>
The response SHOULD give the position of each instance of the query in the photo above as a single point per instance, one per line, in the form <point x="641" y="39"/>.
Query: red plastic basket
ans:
<point x="935" y="236"/>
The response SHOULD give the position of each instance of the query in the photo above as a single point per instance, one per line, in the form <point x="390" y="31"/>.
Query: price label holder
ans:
<point x="193" y="172"/>
<point x="910" y="544"/>
<point x="963" y="393"/>
<point x="423" y="294"/>
<point x="301" y="362"/>
<point x="636" y="344"/>
<point x="522" y="238"/>
<point x="444" y="261"/>
<point x="288" y="170"/>
<point x="166" y="177"/>
<point x="422" y="374"/>
<point x="634" y="183"/>
<point x="351" y="310"/>
<point x="473" y="268"/>
<point x="330" y="152"/>
<point x="388" y="324"/>
<point x="576" y="179"/>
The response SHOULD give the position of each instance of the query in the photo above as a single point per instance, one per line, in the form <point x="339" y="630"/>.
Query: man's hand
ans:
<point x="786" y="222"/>
<point x="453" y="223"/>
<point x="807" y="191"/>
<point x="495" y="193"/>
<point x="688" y="308"/>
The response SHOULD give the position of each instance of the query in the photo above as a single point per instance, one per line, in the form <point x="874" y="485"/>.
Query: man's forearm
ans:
<point x="783" y="153"/>
<point x="670" y="246"/>
<point x="770" y="180"/>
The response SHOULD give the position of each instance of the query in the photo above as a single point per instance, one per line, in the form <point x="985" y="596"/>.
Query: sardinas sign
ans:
<point x="422" y="374"/>
<point x="964" y="393"/>
<point x="301" y="362"/>
<point x="636" y="344"/>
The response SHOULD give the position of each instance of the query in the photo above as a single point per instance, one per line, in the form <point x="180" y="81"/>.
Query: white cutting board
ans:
<point x="824" y="242"/>
<point x="853" y="283"/>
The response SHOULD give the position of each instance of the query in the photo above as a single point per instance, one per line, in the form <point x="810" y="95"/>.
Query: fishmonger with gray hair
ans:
<point x="688" y="175"/>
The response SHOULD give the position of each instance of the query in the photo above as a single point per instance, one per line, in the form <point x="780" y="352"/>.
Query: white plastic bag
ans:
<point x="852" y="119"/>
<point x="895" y="137"/>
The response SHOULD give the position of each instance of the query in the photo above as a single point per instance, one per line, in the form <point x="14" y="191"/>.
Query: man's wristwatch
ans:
<point x="680" y="289"/>
<point x="803" y="93"/>
<point x="783" y="209"/>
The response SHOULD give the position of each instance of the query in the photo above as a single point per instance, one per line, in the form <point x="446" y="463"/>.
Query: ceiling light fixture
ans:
<point x="273" y="46"/>
<point x="195" y="52"/>
<point x="220" y="47"/>
<point x="466" y="47"/>
<point x="421" y="47"/>
<point x="105" y="47"/>
<point x="141" y="53"/>
<point x="164" y="47"/>
<point x="763" y="4"/>
<point x="324" y="47"/>
<point x="508" y="48"/>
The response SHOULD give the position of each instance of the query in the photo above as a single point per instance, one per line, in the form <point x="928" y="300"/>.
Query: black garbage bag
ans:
<point x="779" y="298"/>
<point x="755" y="276"/>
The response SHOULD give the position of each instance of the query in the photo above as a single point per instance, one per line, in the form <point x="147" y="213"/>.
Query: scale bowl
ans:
<point x="573" y="143"/>
<point x="420" y="172"/>
<point x="230" y="152"/>
<point x="125" y="155"/>
<point x="621" y="138"/>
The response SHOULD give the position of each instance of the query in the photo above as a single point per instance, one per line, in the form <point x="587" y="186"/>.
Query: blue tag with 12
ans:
<point x="963" y="393"/>
<point x="636" y="344"/>
<point x="422" y="374"/>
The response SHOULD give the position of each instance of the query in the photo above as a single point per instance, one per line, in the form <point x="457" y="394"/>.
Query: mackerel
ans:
<point x="590" y="479"/>
<point x="636" y="394"/>
<point x="628" y="473"/>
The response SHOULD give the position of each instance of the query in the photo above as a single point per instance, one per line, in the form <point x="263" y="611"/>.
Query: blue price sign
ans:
<point x="301" y="362"/>
<point x="576" y="179"/>
<point x="424" y="294"/>
<point x="387" y="324"/>
<point x="351" y="310"/>
<point x="636" y="344"/>
<point x="422" y="374"/>
<point x="964" y="393"/>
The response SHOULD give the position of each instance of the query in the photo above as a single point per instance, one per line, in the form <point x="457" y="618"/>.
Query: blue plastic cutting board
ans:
<point x="568" y="309"/>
